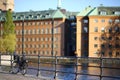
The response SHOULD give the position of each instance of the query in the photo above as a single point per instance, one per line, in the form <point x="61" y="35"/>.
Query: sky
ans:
<point x="69" y="5"/>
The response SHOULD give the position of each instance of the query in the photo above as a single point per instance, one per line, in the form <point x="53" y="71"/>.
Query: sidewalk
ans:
<point x="5" y="76"/>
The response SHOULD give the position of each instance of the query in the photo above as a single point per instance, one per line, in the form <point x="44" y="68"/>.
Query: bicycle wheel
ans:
<point x="24" y="68"/>
<point x="15" y="68"/>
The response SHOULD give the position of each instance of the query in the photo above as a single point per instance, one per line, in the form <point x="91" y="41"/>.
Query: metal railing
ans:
<point x="76" y="62"/>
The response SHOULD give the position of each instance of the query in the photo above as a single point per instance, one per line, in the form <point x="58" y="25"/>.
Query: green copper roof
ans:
<point x="100" y="11"/>
<point x="105" y="11"/>
<point x="35" y="15"/>
<point x="58" y="14"/>
<point x="85" y="12"/>
<point x="94" y="12"/>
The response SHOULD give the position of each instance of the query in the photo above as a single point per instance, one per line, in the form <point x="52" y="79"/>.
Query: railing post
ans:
<point x="0" y="61"/>
<point x="101" y="68"/>
<point x="55" y="77"/>
<point x="38" y="72"/>
<point x="76" y="66"/>
<point x="11" y="61"/>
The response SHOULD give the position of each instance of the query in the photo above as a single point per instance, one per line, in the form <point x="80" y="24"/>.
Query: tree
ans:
<point x="8" y="40"/>
<point x="110" y="39"/>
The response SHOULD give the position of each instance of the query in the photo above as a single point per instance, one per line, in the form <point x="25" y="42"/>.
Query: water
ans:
<point x="71" y="69"/>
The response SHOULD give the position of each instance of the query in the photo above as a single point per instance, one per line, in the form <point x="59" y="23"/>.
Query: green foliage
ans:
<point x="9" y="43"/>
<point x="8" y="40"/>
<point x="9" y="27"/>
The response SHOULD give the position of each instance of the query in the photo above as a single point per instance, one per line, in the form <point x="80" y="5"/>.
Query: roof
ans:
<point x="68" y="13"/>
<point x="100" y="11"/>
<point x="35" y="15"/>
<point x="105" y="11"/>
<point x="58" y="14"/>
<point x="85" y="12"/>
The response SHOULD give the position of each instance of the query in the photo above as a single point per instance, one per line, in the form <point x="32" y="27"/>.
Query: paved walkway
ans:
<point x="5" y="76"/>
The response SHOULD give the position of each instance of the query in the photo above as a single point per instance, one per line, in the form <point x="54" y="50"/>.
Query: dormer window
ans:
<point x="19" y="18"/>
<point x="27" y="17"/>
<point x="103" y="13"/>
<point x="35" y="17"/>
<point x="117" y="12"/>
<point x="30" y="16"/>
<point x="47" y="14"/>
<point x="43" y="16"/>
<point x="38" y="15"/>
<point x="14" y="17"/>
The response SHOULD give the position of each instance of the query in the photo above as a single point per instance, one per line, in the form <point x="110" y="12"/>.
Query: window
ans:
<point x="85" y="21"/>
<point x="116" y="29"/>
<point x="117" y="53"/>
<point x="55" y="39"/>
<point x="102" y="53"/>
<point x="46" y="23"/>
<point x="50" y="31"/>
<point x="85" y="29"/>
<point x="30" y="31"/>
<point x="42" y="31"/>
<point x="24" y="31"/>
<point x="34" y="31"/>
<point x="103" y="20"/>
<point x="42" y="45"/>
<point x="117" y="20"/>
<point x="117" y="38"/>
<point x="55" y="30"/>
<point x="42" y="39"/>
<point x="110" y="21"/>
<point x="46" y="45"/>
<point x="46" y="31"/>
<point x="110" y="30"/>
<point x="110" y="54"/>
<point x="102" y="46"/>
<point x="33" y="39"/>
<point x="56" y="22"/>
<point x="110" y="45"/>
<point x="109" y="38"/>
<point x="103" y="38"/>
<point x="50" y="39"/>
<point x="117" y="12"/>
<point x="95" y="45"/>
<point x="102" y="29"/>
<point x="55" y="52"/>
<point x="117" y="46"/>
<point x="41" y="23"/>
<point x="103" y="13"/>
<point x="96" y="29"/>
<point x="95" y="20"/>
<point x="95" y="38"/>
<point x="55" y="46"/>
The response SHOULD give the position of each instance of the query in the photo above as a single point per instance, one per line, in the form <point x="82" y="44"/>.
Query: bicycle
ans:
<point x="20" y="66"/>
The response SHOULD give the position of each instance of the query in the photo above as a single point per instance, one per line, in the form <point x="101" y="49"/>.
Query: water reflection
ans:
<point x="80" y="69"/>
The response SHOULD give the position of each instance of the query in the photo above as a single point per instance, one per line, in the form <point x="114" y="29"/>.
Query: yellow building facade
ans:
<point x="99" y="22"/>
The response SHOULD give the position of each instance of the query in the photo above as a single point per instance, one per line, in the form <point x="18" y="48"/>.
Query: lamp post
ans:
<point x="52" y="51"/>
<point x="0" y="29"/>
<point x="22" y="34"/>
